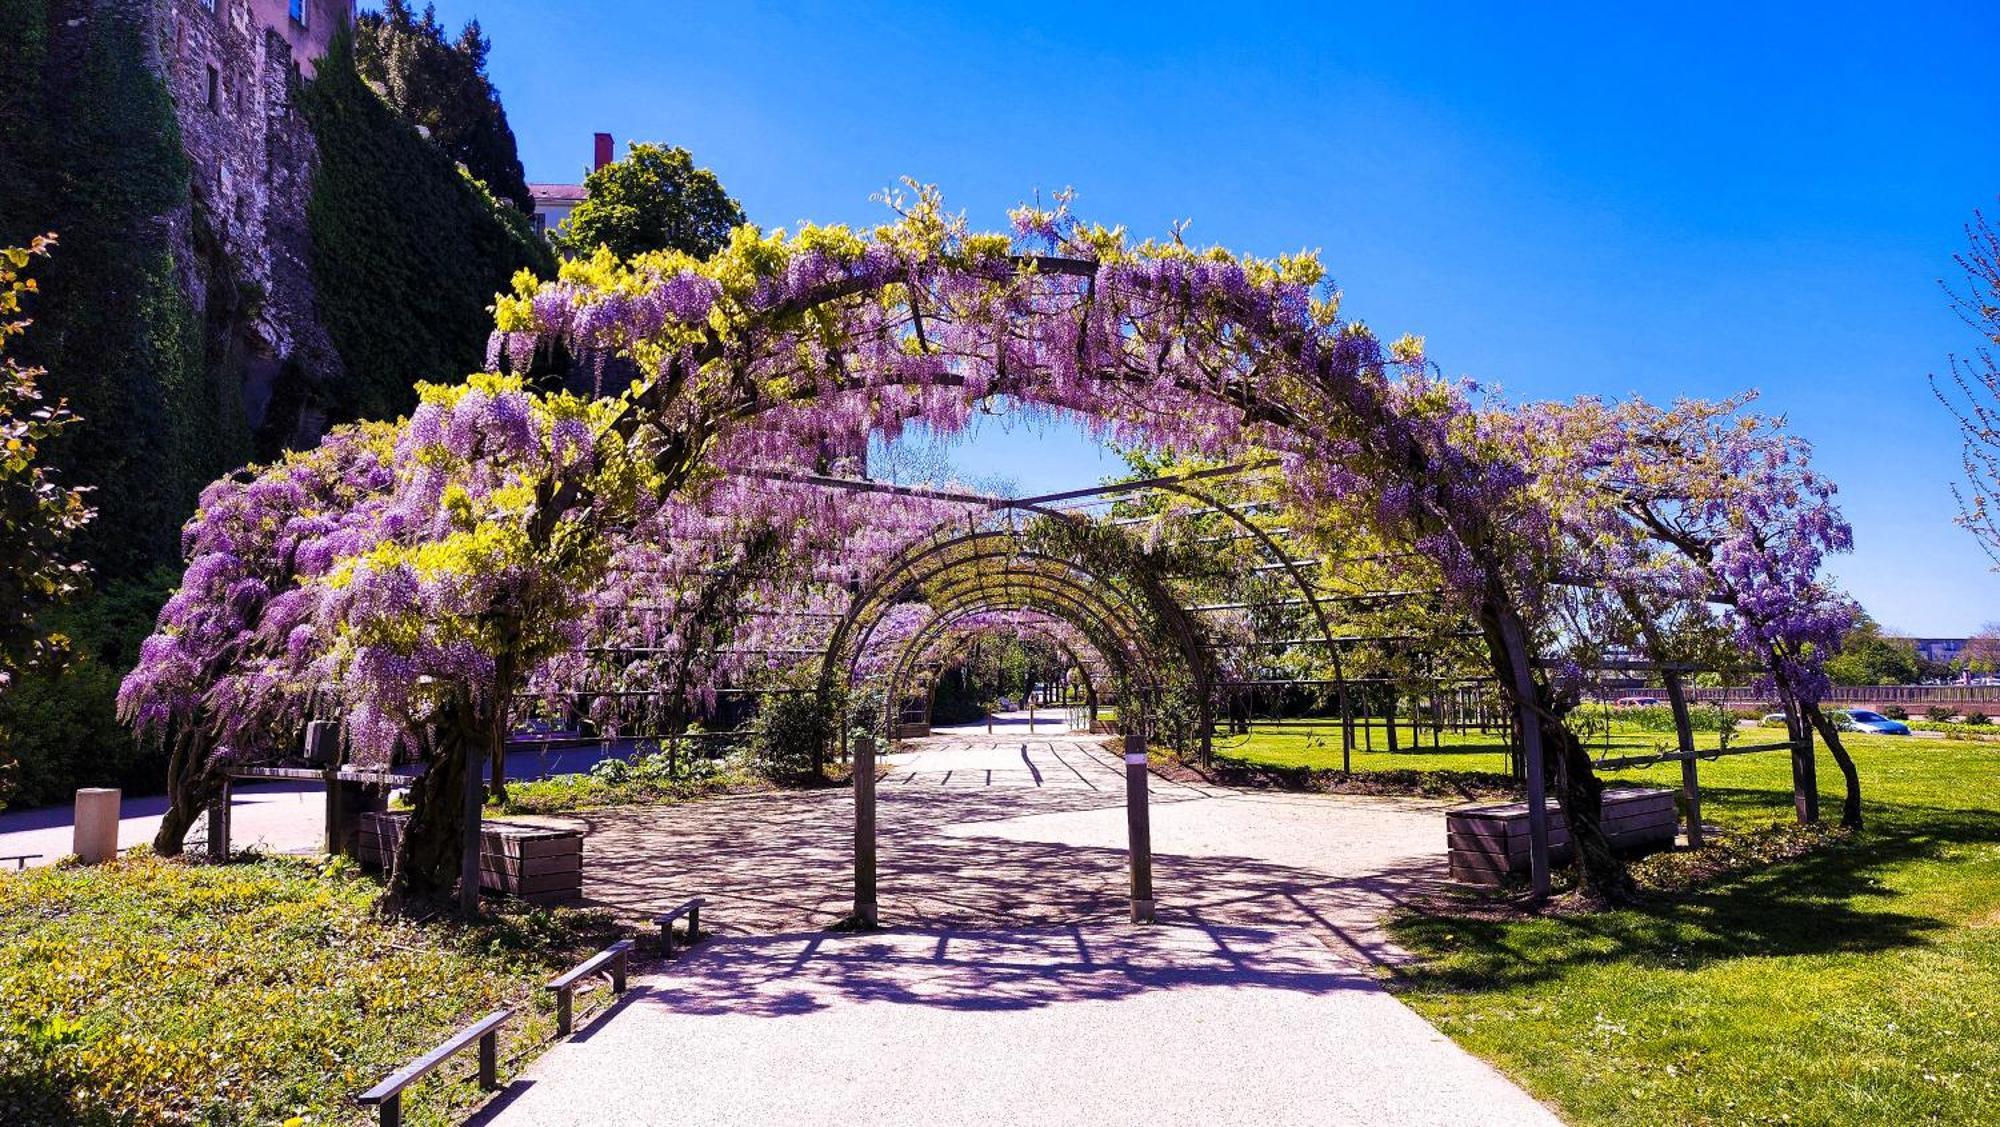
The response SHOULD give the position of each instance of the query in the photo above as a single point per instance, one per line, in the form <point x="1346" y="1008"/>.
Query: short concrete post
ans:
<point x="865" y="912"/>
<point x="96" y="836"/>
<point x="1138" y="828"/>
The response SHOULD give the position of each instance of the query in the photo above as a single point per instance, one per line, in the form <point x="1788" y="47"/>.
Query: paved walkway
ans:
<point x="1009" y="987"/>
<point x="1098" y="1026"/>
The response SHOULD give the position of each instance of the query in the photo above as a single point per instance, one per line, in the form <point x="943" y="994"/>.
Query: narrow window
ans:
<point x="299" y="12"/>
<point x="214" y="88"/>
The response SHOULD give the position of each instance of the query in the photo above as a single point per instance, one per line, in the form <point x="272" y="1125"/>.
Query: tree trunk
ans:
<point x="191" y="786"/>
<point x="427" y="857"/>
<point x="1600" y="875"/>
<point x="1850" y="806"/>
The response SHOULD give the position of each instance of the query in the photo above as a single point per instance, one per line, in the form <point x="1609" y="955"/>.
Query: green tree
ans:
<point x="1870" y="657"/>
<point x="654" y="199"/>
<point x="441" y="87"/>
<point x="38" y="514"/>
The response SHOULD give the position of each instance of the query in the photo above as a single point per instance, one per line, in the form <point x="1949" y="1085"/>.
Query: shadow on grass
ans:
<point x="36" y="1092"/>
<point x="1832" y="901"/>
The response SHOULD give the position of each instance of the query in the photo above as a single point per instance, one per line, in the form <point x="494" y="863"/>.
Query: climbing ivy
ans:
<point x="408" y="251"/>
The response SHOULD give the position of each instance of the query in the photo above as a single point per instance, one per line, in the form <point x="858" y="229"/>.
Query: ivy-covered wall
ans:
<point x="93" y="154"/>
<point x="407" y="250"/>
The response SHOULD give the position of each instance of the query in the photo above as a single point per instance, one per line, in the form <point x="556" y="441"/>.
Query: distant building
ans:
<point x="554" y="202"/>
<point x="1943" y="651"/>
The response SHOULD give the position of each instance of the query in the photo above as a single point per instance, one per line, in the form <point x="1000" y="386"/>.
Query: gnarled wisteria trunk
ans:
<point x="194" y="781"/>
<point x="1600" y="875"/>
<point x="427" y="859"/>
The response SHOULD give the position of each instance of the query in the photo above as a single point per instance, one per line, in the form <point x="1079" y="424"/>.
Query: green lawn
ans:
<point x="1856" y="984"/>
<point x="148" y="991"/>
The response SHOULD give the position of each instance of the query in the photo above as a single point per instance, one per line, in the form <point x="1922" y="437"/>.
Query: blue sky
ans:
<point x="1563" y="199"/>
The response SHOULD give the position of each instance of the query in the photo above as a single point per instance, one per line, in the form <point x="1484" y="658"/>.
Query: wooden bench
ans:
<point x="610" y="962"/>
<point x="20" y="860"/>
<point x="387" y="1096"/>
<point x="1488" y="844"/>
<point x="692" y="910"/>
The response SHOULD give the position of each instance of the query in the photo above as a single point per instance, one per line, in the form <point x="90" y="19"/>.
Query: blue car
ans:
<point x="1862" y="720"/>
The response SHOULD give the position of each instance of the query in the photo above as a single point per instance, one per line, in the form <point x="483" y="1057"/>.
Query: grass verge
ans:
<point x="1843" y="980"/>
<point x="166" y="992"/>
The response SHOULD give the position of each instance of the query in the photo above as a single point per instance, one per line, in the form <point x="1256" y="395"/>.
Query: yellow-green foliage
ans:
<point x="152" y="991"/>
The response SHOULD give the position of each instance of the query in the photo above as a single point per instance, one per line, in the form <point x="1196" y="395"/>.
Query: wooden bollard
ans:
<point x="865" y="912"/>
<point x="1138" y="829"/>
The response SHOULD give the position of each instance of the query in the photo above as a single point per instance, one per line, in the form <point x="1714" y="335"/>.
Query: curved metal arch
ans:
<point x="1113" y="660"/>
<point x="885" y="588"/>
<point x="1126" y="655"/>
<point x="925" y="641"/>
<point x="1134" y="669"/>
<point x="898" y="690"/>
<point x="1306" y="592"/>
<point x="1072" y="598"/>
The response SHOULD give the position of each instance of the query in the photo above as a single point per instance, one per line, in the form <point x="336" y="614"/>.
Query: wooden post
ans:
<point x="865" y="910"/>
<point x="489" y="1060"/>
<point x="1516" y="642"/>
<point x="218" y="824"/>
<point x="469" y="834"/>
<point x="1138" y="829"/>
<point x="1690" y="782"/>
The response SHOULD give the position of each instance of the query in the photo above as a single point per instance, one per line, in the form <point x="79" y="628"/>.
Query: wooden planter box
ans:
<point x="535" y="863"/>
<point x="1488" y="844"/>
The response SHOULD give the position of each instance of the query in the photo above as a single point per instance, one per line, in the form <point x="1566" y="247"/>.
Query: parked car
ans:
<point x="1639" y="702"/>
<point x="1850" y="720"/>
<point x="1862" y="720"/>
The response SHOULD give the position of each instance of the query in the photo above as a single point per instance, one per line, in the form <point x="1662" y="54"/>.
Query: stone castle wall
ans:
<point x="232" y="68"/>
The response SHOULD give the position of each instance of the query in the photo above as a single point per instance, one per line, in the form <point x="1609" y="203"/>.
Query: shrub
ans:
<point x="1660" y="718"/>
<point x="61" y="723"/>
<point x="1938" y="713"/>
<point x="791" y="737"/>
<point x="1977" y="718"/>
<point x="1896" y="712"/>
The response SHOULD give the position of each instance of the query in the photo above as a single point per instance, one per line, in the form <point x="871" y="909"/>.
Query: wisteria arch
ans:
<point x="434" y="569"/>
<point x="994" y="568"/>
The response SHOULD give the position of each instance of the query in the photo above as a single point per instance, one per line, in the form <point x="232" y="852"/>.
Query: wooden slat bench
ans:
<point x="1488" y="844"/>
<point x="610" y="962"/>
<point x="535" y="863"/>
<point x="692" y="910"/>
<point x="387" y="1097"/>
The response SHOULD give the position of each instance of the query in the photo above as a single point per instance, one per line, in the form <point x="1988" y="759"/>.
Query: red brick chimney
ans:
<point x="604" y="156"/>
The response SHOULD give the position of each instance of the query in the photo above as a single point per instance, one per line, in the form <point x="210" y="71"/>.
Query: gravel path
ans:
<point x="1009" y="988"/>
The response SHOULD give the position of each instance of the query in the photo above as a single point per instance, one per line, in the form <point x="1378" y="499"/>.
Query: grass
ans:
<point x="1853" y="984"/>
<point x="166" y="992"/>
